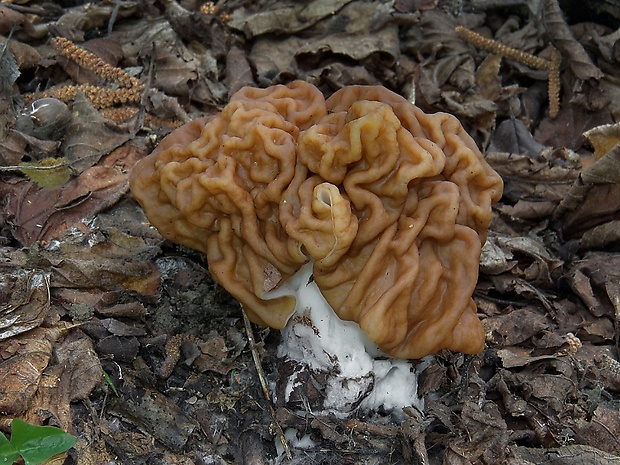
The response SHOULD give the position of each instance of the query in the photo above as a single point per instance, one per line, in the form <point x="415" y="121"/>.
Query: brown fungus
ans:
<point x="391" y="206"/>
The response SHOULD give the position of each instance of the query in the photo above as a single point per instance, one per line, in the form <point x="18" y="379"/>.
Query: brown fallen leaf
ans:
<point x="559" y="32"/>
<point x="26" y="301"/>
<point x="25" y="55"/>
<point x="602" y="430"/>
<point x="603" y="138"/>
<point x="113" y="262"/>
<point x="593" y="279"/>
<point x="359" y="31"/>
<point x="10" y="18"/>
<point x="594" y="197"/>
<point x="74" y="21"/>
<point x="565" y="455"/>
<point x="483" y="437"/>
<point x="238" y="70"/>
<point x="154" y="413"/>
<point x="214" y="354"/>
<point x="548" y="176"/>
<point x="90" y="136"/>
<point x="516" y="326"/>
<point x="25" y="356"/>
<point x="75" y="372"/>
<point x="42" y="214"/>
<point x="602" y="236"/>
<point x="16" y="144"/>
<point x="283" y="18"/>
<point x="181" y="70"/>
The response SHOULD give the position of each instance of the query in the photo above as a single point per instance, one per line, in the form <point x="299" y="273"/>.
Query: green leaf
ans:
<point x="110" y="383"/>
<point x="49" y="172"/>
<point x="8" y="454"/>
<point x="36" y="444"/>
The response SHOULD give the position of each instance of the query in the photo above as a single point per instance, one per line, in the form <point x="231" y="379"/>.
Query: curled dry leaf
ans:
<point x="238" y="70"/>
<point x="601" y="431"/>
<point x="72" y="376"/>
<point x="16" y="144"/>
<point x="600" y="237"/>
<point x="560" y="34"/>
<point x="283" y="17"/>
<point x="10" y="18"/>
<point x="181" y="70"/>
<point x="548" y="176"/>
<point x="494" y="259"/>
<point x="25" y="357"/>
<point x="544" y="262"/>
<point x="603" y="138"/>
<point x="352" y="32"/>
<point x="512" y="136"/>
<point x="26" y="301"/>
<point x="594" y="280"/>
<point x="86" y="17"/>
<point x="594" y="197"/>
<point x="25" y="55"/>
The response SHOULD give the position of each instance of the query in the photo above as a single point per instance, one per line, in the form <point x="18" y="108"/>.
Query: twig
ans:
<point x="263" y="383"/>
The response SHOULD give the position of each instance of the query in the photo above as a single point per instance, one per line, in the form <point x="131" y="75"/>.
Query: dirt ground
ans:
<point x="122" y="338"/>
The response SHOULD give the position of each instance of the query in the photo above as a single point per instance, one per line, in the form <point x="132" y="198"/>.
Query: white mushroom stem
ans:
<point x="360" y="375"/>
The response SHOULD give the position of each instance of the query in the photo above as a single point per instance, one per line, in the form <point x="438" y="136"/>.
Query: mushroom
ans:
<point x="384" y="206"/>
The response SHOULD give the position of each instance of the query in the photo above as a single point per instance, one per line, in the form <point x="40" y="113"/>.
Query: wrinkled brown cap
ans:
<point x="391" y="204"/>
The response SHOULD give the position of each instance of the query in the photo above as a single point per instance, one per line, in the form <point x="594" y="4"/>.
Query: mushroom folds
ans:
<point x="391" y="206"/>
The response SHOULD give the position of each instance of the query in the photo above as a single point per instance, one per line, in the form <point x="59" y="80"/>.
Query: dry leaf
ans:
<point x="516" y="326"/>
<point x="155" y="414"/>
<point x="590" y="280"/>
<point x="602" y="430"/>
<point x="544" y="177"/>
<point x="8" y="71"/>
<point x="25" y="358"/>
<point x="574" y="53"/>
<point x="76" y="371"/>
<point x="214" y="353"/>
<point x="42" y="214"/>
<point x="484" y="436"/>
<point x="49" y="172"/>
<point x="25" y="297"/>
<point x="603" y="138"/>
<point x="594" y="197"/>
<point x="283" y="17"/>
<point x="90" y="136"/>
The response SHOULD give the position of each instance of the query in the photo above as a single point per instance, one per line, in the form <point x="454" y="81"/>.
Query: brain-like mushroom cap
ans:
<point x="390" y="204"/>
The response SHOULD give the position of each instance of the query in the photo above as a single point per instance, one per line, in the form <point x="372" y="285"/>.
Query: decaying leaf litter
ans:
<point x="123" y="339"/>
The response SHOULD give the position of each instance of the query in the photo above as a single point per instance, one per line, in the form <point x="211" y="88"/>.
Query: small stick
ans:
<point x="263" y="383"/>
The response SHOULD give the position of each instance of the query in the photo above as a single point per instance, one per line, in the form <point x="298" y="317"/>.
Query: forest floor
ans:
<point x="123" y="339"/>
